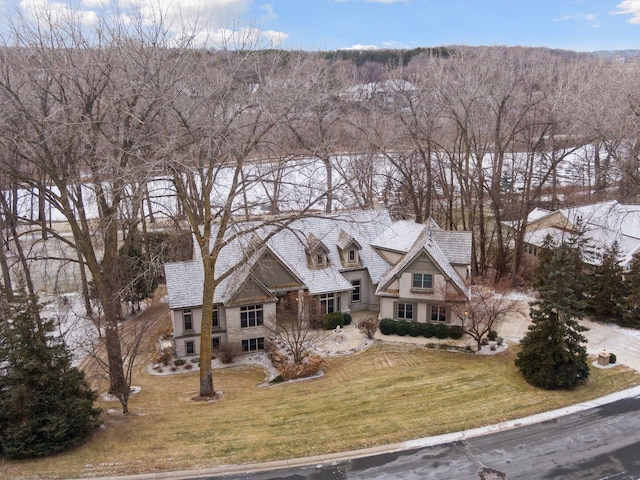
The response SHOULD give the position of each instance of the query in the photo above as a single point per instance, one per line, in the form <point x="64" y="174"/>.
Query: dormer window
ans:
<point x="352" y="256"/>
<point x="321" y="259"/>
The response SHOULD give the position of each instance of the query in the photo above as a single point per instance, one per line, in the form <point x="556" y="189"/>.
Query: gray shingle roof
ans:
<point x="425" y="242"/>
<point x="184" y="279"/>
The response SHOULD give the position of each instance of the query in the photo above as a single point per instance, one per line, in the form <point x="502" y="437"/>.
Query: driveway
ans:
<point x="623" y="342"/>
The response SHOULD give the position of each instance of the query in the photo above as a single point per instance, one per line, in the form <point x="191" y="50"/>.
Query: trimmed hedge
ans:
<point x="331" y="320"/>
<point x="346" y="318"/>
<point x="398" y="327"/>
<point x="612" y="358"/>
<point x="387" y="326"/>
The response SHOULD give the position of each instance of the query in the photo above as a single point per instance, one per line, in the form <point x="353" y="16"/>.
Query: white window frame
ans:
<point x="249" y="320"/>
<point x="192" y="350"/>
<point x="187" y="316"/>
<point x="401" y="311"/>
<point x="437" y="311"/>
<point x="422" y="277"/>
<point x="356" y="293"/>
<point x="253" y="344"/>
<point x="326" y="300"/>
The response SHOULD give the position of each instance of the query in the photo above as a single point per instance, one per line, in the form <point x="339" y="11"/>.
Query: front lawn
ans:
<point x="385" y="394"/>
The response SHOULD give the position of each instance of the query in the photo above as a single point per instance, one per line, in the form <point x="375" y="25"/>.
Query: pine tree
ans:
<point x="607" y="287"/>
<point x="552" y="353"/>
<point x="46" y="405"/>
<point x="631" y="315"/>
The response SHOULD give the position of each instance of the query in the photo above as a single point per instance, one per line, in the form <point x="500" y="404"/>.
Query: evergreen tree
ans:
<point x="552" y="353"/>
<point x="607" y="287"/>
<point x="46" y="405"/>
<point x="631" y="315"/>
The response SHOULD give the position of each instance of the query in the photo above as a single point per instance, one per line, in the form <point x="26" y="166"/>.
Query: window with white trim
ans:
<point x="327" y="303"/>
<point x="189" y="347"/>
<point x="187" y="320"/>
<point x="355" y="293"/>
<point x="438" y="313"/>
<point x="422" y="281"/>
<point x="253" y="344"/>
<point x="251" y="316"/>
<point x="215" y="323"/>
<point x="405" y="311"/>
<point x="352" y="255"/>
<point x="321" y="259"/>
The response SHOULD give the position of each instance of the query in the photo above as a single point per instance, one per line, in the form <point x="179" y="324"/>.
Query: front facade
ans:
<point x="356" y="261"/>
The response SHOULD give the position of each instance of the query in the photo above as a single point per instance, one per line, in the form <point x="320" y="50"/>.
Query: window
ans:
<point x="251" y="316"/>
<point x="189" y="347"/>
<point x="187" y="319"/>
<point x="404" y="311"/>
<point x="253" y="344"/>
<point x="320" y="259"/>
<point x="215" y="343"/>
<point x="352" y="256"/>
<point x="438" y="313"/>
<point x="355" y="293"/>
<point x="327" y="303"/>
<point x="214" y="318"/>
<point x="422" y="281"/>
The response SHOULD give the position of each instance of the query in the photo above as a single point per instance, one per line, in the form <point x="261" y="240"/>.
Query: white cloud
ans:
<point x="629" y="7"/>
<point x="56" y="12"/>
<point x="270" y="13"/>
<point x="590" y="18"/>
<point x="362" y="47"/>
<point x="205" y="23"/>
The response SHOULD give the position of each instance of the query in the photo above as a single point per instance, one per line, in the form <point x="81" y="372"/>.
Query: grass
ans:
<point x="386" y="394"/>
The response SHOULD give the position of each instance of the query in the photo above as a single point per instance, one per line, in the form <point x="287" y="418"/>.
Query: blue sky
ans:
<point x="583" y="25"/>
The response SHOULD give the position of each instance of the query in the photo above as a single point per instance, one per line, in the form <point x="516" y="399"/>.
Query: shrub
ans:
<point x="429" y="330"/>
<point x="441" y="331"/>
<point x="415" y="329"/>
<point x="188" y="366"/>
<point x="455" y="331"/>
<point x="228" y="352"/>
<point x="368" y="326"/>
<point x="387" y="326"/>
<point x="309" y="368"/>
<point x="164" y="357"/>
<point x="492" y="335"/>
<point x="346" y="319"/>
<point x="331" y="320"/>
<point x="195" y="360"/>
<point x="612" y="358"/>
<point x="179" y="362"/>
<point x="402" y="328"/>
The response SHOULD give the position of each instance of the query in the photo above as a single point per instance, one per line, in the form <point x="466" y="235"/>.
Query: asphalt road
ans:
<point x="600" y="443"/>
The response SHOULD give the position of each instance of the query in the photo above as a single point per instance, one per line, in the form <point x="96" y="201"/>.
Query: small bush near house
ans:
<point x="331" y="320"/>
<point x="188" y="366"/>
<point x="368" y="326"/>
<point x="492" y="335"/>
<point x="441" y="331"/>
<point x="612" y="358"/>
<point x="346" y="319"/>
<point x="455" y="332"/>
<point x="195" y="360"/>
<point x="415" y="329"/>
<point x="402" y="328"/>
<point x="228" y="352"/>
<point x="429" y="330"/>
<point x="179" y="362"/>
<point x="387" y="326"/>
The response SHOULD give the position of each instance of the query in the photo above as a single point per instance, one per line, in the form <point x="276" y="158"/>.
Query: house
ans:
<point x="352" y="261"/>
<point x="603" y="224"/>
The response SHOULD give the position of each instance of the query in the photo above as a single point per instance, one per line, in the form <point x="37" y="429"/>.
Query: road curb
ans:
<point x="228" y="470"/>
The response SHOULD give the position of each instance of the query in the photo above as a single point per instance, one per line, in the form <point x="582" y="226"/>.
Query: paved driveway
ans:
<point x="624" y="342"/>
